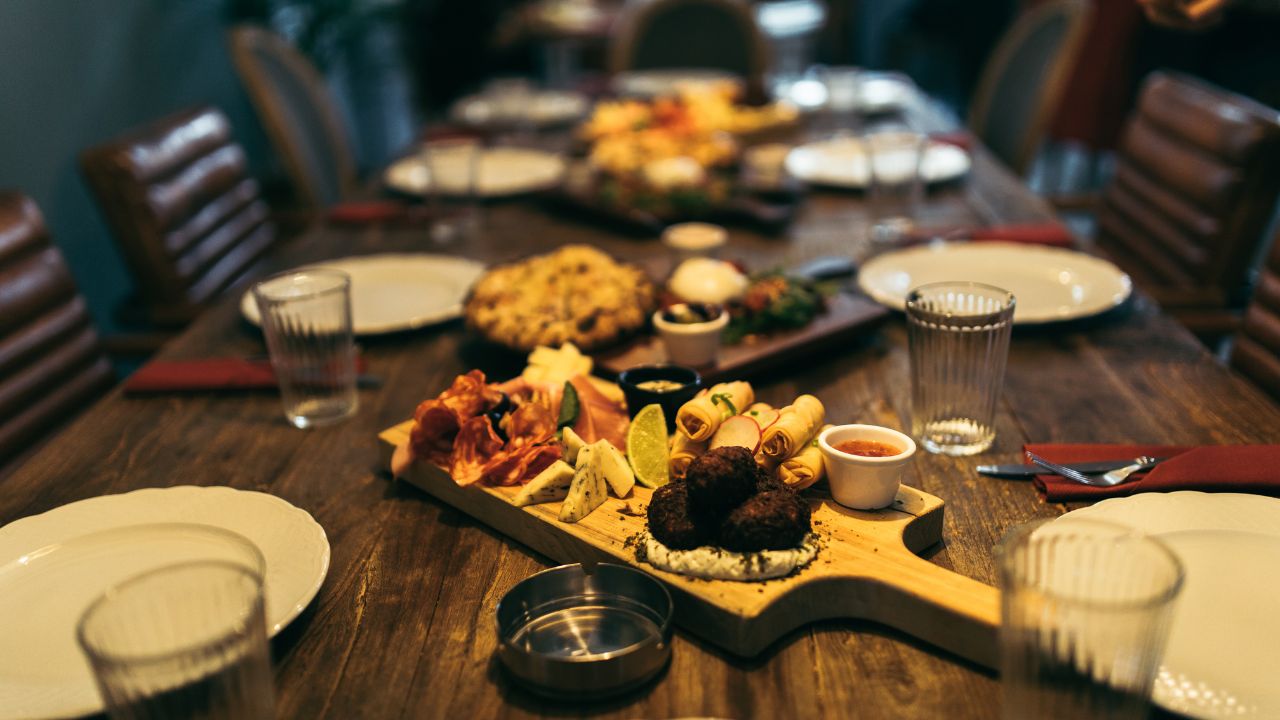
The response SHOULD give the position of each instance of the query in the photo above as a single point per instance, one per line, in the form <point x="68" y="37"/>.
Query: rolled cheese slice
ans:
<point x="701" y="417"/>
<point x="797" y="424"/>
<point x="804" y="468"/>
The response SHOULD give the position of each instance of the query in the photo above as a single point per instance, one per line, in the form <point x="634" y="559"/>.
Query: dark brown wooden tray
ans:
<point x="847" y="315"/>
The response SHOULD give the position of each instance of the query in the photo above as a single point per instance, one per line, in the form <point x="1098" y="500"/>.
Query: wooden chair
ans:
<point x="703" y="34"/>
<point x="1196" y="181"/>
<point x="185" y="214"/>
<point x="51" y="363"/>
<point x="1024" y="79"/>
<point x="299" y="114"/>
<point x="1256" y="353"/>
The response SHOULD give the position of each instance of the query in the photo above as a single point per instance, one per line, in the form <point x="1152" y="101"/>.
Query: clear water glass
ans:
<point x="306" y="319"/>
<point x="453" y="165"/>
<point x="184" y="641"/>
<point x="895" y="186"/>
<point x="958" y="335"/>
<point x="1086" y="608"/>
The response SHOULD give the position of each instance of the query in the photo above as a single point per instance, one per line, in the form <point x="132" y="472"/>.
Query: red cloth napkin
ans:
<point x="1047" y="233"/>
<point x="1212" y="468"/>
<point x="159" y="376"/>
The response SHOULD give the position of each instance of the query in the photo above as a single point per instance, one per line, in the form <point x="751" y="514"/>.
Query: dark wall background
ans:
<point x="75" y="73"/>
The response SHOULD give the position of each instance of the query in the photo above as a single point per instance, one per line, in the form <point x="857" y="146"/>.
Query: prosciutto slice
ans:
<point x="598" y="416"/>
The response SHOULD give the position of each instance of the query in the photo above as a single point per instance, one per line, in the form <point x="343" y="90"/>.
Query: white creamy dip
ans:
<point x="713" y="563"/>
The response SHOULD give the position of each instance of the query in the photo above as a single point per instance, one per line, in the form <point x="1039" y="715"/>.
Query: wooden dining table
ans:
<point x="403" y="625"/>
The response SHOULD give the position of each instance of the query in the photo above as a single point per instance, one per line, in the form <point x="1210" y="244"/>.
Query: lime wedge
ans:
<point x="647" y="446"/>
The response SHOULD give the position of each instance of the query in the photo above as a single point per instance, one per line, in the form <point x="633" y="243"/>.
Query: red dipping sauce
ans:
<point x="868" y="448"/>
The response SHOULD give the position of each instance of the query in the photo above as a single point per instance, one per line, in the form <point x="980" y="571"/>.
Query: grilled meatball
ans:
<point x="721" y="479"/>
<point x="673" y="522"/>
<point x="765" y="481"/>
<point x="773" y="520"/>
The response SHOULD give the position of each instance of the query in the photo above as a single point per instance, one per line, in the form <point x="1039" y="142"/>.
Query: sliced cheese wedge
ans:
<point x="588" y="490"/>
<point x="615" y="468"/>
<point x="548" y="486"/>
<point x="572" y="443"/>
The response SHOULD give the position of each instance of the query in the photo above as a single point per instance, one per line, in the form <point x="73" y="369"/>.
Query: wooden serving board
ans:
<point x="867" y="567"/>
<point x="846" y="316"/>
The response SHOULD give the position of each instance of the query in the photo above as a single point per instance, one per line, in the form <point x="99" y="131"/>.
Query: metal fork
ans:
<point x="1111" y="479"/>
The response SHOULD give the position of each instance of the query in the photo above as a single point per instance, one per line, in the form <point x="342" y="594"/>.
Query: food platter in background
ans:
<point x="842" y="163"/>
<point x="1218" y="663"/>
<point x="655" y="83"/>
<point x="395" y="292"/>
<point x="1049" y="284"/>
<point x="504" y="171"/>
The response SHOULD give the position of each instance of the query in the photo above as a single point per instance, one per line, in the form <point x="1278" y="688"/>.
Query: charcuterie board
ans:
<point x="867" y="568"/>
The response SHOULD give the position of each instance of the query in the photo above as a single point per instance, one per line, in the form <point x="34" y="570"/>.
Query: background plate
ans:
<point x="1048" y="284"/>
<point x="394" y="292"/>
<point x="1220" y="658"/>
<point x="503" y="171"/>
<point x="841" y="162"/>
<point x="42" y="672"/>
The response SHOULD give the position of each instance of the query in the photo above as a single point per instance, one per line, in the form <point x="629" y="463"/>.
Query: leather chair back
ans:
<point x="299" y="114"/>
<point x="1025" y="78"/>
<point x="703" y="34"/>
<point x="51" y="364"/>
<point x="1256" y="353"/>
<point x="1196" y="181"/>
<point x="187" y="217"/>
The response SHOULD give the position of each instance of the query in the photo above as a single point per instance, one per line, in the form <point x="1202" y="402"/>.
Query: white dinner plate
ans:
<point x="54" y="564"/>
<point x="656" y="83"/>
<point x="541" y="108"/>
<point x="1222" y="646"/>
<point x="842" y="162"/>
<point x="1048" y="284"/>
<point x="392" y="292"/>
<point x="884" y="92"/>
<point x="504" y="171"/>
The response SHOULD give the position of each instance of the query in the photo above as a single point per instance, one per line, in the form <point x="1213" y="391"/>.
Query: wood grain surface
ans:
<point x="404" y="624"/>
<point x="867" y="568"/>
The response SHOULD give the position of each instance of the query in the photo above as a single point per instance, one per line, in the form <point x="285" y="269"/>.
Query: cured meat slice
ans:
<point x="530" y="424"/>
<point x="598" y="416"/>
<point x="513" y="467"/>
<point x="473" y="448"/>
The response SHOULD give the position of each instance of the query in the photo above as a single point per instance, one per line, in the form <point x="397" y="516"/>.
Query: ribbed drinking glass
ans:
<point x="183" y="641"/>
<point x="306" y="318"/>
<point x="958" y="333"/>
<point x="1085" y="613"/>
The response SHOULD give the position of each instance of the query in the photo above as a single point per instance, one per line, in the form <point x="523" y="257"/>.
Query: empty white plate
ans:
<point x="1222" y="647"/>
<point x="1048" y="284"/>
<point x="842" y="162"/>
<point x="395" y="292"/>
<point x="503" y="171"/>
<point x="54" y="564"/>
<point x="540" y="107"/>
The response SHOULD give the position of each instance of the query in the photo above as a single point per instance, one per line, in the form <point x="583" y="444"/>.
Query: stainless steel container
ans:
<point x="565" y="632"/>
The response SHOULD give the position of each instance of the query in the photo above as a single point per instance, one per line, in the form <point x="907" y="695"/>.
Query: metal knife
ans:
<point x="1026" y="471"/>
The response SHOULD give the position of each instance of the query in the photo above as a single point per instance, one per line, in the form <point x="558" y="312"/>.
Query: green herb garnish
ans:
<point x="569" y="406"/>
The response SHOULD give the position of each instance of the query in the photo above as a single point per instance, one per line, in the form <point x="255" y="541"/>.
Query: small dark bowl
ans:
<point x="670" y="401"/>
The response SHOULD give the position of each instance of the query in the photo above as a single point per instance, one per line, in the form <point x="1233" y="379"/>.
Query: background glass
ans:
<point x="895" y="188"/>
<point x="306" y="319"/>
<point x="1085" y="612"/>
<point x="958" y="335"/>
<point x="453" y="164"/>
<point x="184" y="641"/>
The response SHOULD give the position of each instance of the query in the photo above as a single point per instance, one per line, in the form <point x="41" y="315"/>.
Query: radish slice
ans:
<point x="737" y="431"/>
<point x="763" y="415"/>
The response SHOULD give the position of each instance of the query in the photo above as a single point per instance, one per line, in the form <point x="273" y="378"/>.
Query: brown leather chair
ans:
<point x="1256" y="353"/>
<point x="299" y="114"/>
<point x="1025" y="78"/>
<point x="701" y="34"/>
<point x="51" y="364"/>
<point x="1196" y="182"/>
<point x="185" y="214"/>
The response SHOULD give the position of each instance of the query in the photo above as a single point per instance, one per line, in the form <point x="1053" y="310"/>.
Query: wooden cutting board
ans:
<point x="847" y="315"/>
<point x="867" y="568"/>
